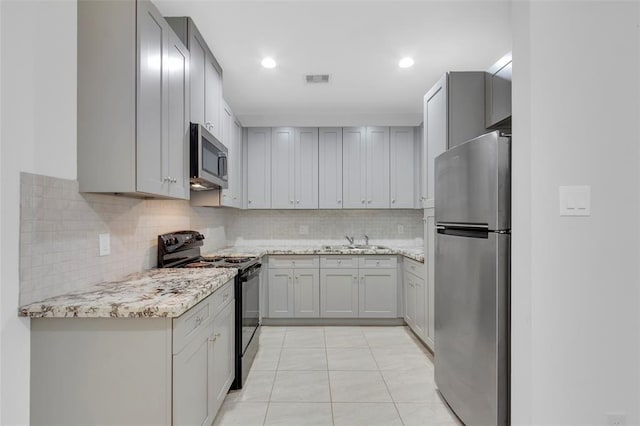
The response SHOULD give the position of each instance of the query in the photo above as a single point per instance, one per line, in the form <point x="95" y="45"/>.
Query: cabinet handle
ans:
<point x="363" y="201"/>
<point x="393" y="201"/>
<point x="297" y="201"/>
<point x="369" y="201"/>
<point x="290" y="201"/>
<point x="249" y="202"/>
<point x="175" y="180"/>
<point x="339" y="201"/>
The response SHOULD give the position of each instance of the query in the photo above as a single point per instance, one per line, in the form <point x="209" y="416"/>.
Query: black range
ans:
<point x="181" y="249"/>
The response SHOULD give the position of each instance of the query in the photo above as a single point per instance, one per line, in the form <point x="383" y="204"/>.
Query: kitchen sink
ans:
<point x="354" y="247"/>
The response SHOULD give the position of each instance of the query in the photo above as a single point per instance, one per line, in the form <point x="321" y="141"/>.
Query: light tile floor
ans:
<point x="342" y="376"/>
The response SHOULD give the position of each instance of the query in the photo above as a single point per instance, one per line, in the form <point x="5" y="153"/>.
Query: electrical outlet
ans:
<point x="616" y="419"/>
<point x="400" y="229"/>
<point x="304" y="230"/>
<point x="105" y="244"/>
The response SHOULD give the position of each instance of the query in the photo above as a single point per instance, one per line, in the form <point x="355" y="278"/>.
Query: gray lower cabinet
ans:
<point x="133" y="103"/>
<point x="358" y="293"/>
<point x="415" y="308"/>
<point x="294" y="293"/>
<point x="418" y="284"/>
<point x="339" y="293"/>
<point x="134" y="371"/>
<point x="332" y="286"/>
<point x="378" y="293"/>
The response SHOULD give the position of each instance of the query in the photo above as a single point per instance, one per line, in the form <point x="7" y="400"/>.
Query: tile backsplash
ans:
<point x="245" y="226"/>
<point x="60" y="228"/>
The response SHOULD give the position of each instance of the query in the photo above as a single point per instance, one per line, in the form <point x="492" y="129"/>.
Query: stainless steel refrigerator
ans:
<point x="472" y="278"/>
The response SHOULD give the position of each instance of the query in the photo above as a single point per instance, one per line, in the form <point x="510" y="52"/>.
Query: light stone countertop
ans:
<point x="157" y="293"/>
<point x="415" y="253"/>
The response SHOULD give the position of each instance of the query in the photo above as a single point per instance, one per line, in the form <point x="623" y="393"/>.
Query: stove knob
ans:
<point x="199" y="237"/>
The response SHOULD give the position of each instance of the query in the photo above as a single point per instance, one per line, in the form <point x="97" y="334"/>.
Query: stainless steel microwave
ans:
<point x="208" y="163"/>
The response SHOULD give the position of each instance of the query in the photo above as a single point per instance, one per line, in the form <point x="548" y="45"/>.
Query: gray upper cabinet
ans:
<point x="306" y="168"/>
<point x="207" y="103"/>
<point x="354" y="167"/>
<point x="258" y="170"/>
<point x="132" y="103"/>
<point x="377" y="166"/>
<point x="402" y="157"/>
<point x="282" y="168"/>
<point x="330" y="168"/>
<point x="213" y="97"/>
<point x="294" y="168"/>
<point x="365" y="167"/>
<point x="453" y="113"/>
<point x="498" y="94"/>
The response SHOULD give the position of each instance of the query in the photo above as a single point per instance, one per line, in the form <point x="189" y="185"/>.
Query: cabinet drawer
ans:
<point x="294" y="262"/>
<point x="377" y="261"/>
<point x="222" y="297"/>
<point x="413" y="267"/>
<point x="187" y="325"/>
<point x="338" y="261"/>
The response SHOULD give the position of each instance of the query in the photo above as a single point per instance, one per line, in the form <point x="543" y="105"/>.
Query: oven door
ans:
<point x="250" y="306"/>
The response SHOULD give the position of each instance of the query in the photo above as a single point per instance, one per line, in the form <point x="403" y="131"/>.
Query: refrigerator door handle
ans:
<point x="480" y="226"/>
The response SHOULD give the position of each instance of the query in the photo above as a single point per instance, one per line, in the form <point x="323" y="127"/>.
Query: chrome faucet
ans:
<point x="350" y="239"/>
<point x="366" y="239"/>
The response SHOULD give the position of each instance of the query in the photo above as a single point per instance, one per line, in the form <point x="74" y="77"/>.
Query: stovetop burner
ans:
<point x="236" y="259"/>
<point x="199" y="265"/>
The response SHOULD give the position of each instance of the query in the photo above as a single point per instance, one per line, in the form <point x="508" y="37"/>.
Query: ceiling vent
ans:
<point x="317" y="78"/>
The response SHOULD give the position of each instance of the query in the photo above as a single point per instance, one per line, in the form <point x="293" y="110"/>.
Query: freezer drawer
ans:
<point x="471" y="324"/>
<point x="473" y="183"/>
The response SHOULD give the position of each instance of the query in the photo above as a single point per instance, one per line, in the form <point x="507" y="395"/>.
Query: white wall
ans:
<point x="576" y="291"/>
<point x="38" y="135"/>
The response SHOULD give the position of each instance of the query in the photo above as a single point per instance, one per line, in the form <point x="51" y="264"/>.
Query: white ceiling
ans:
<point x="359" y="43"/>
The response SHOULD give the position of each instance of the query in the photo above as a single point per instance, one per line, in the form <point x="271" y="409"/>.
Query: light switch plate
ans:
<point x="575" y="200"/>
<point x="304" y="230"/>
<point x="400" y="229"/>
<point x="105" y="244"/>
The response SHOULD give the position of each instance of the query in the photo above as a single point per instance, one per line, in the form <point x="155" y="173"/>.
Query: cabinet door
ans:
<point x="430" y="250"/>
<point x="228" y="139"/>
<point x="237" y="164"/>
<point x="402" y="167"/>
<point x="339" y="293"/>
<point x="213" y="97"/>
<point x="306" y="293"/>
<point x="330" y="168"/>
<point x="378" y="293"/>
<point x="281" y="293"/>
<point x="222" y="362"/>
<point x="259" y="168"/>
<point x="178" y="118"/>
<point x="415" y="308"/>
<point x="192" y="378"/>
<point x="306" y="168"/>
<point x="354" y="168"/>
<point x="419" y="306"/>
<point x="282" y="168"/>
<point x="377" y="167"/>
<point x="152" y="126"/>
<point x="198" y="52"/>
<point x="409" y="300"/>
<point x="435" y="133"/>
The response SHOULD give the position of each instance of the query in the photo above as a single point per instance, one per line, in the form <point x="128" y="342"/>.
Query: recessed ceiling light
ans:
<point x="405" y="62"/>
<point x="268" y="62"/>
